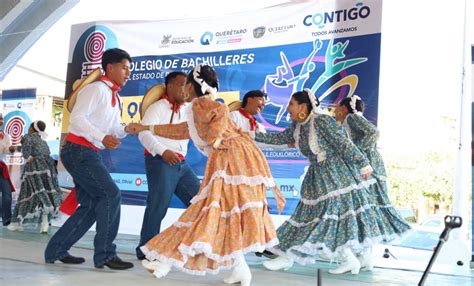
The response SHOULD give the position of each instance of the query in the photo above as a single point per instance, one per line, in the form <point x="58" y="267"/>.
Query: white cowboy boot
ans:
<point x="281" y="262"/>
<point x="365" y="259"/>
<point x="241" y="272"/>
<point x="351" y="264"/>
<point x="44" y="223"/>
<point x="158" y="269"/>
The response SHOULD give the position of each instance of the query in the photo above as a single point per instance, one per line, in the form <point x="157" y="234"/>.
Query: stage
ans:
<point x="22" y="263"/>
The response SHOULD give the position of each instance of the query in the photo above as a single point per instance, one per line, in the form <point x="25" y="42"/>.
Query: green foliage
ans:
<point x="428" y="174"/>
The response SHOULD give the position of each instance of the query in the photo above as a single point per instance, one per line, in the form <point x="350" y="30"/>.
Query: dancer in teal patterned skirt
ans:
<point x="336" y="215"/>
<point x="39" y="194"/>
<point x="364" y="134"/>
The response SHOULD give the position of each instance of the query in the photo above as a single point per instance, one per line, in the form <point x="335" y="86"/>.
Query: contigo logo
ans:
<point x="360" y="11"/>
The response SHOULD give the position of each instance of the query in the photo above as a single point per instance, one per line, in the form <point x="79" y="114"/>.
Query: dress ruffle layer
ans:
<point x="229" y="216"/>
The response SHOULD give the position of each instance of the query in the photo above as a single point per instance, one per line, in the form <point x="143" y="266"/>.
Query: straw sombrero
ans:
<point x="235" y="105"/>
<point x="80" y="84"/>
<point x="151" y="96"/>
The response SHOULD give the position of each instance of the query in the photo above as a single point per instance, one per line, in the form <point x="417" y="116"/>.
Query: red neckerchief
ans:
<point x="1" y="135"/>
<point x="115" y="89"/>
<point x="175" y="107"/>
<point x="252" y="120"/>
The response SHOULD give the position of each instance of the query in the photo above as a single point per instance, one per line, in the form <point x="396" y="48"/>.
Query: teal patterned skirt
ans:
<point x="337" y="210"/>
<point x="39" y="192"/>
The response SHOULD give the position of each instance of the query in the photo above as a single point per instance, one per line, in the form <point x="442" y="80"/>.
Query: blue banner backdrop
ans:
<point x="336" y="57"/>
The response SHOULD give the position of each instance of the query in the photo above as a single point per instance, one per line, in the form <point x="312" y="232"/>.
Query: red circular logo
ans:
<point x="138" y="182"/>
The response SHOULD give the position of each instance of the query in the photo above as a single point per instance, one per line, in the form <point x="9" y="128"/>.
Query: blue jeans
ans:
<point x="6" y="206"/>
<point x="99" y="199"/>
<point x="164" y="181"/>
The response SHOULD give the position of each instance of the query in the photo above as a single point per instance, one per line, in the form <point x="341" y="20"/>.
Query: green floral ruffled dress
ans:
<point x="364" y="134"/>
<point x="336" y="209"/>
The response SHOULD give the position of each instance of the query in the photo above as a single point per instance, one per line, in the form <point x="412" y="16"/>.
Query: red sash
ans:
<point x="6" y="175"/>
<point x="81" y="141"/>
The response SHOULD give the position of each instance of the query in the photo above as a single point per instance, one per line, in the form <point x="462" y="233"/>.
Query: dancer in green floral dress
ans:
<point x="364" y="134"/>
<point x="40" y="193"/>
<point x="336" y="215"/>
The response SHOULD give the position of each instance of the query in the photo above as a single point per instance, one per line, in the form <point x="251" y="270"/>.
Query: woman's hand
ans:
<point x="366" y="172"/>
<point x="135" y="128"/>
<point x="366" y="175"/>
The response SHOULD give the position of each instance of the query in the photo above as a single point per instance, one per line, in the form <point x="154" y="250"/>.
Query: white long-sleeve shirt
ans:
<point x="5" y="143"/>
<point x="160" y="113"/>
<point x="93" y="116"/>
<point x="244" y="123"/>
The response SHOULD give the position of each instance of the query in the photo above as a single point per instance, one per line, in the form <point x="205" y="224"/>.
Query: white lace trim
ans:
<point x="205" y="248"/>
<point x="180" y="224"/>
<point x="313" y="138"/>
<point x="314" y="249"/>
<point x="37" y="213"/>
<point x="36" y="193"/>
<point x="32" y="173"/>
<point x="234" y="210"/>
<point x="332" y="217"/>
<point x="200" y="144"/>
<point x="233" y="180"/>
<point x="335" y="217"/>
<point x="363" y="184"/>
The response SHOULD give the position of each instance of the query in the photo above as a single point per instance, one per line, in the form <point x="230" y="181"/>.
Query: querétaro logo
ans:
<point x="360" y="11"/>
<point x="281" y="29"/>
<point x="259" y="32"/>
<point x="206" y="38"/>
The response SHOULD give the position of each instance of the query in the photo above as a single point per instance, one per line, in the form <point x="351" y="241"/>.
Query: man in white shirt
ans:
<point x="252" y="104"/>
<point x="95" y="124"/>
<point x="166" y="168"/>
<point x="5" y="183"/>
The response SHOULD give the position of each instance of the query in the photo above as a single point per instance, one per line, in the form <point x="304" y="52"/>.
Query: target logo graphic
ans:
<point x="14" y="128"/>
<point x="94" y="47"/>
<point x="90" y="47"/>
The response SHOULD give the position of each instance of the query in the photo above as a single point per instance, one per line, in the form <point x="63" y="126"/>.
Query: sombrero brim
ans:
<point x="80" y="84"/>
<point x="151" y="96"/>
<point x="235" y="105"/>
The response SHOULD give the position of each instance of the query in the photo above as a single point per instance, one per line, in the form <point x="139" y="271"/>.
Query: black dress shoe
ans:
<point x="267" y="254"/>
<point x="6" y="223"/>
<point x="69" y="259"/>
<point x="117" y="264"/>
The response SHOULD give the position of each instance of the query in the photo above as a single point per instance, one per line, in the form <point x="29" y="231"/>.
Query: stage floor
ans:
<point x="22" y="263"/>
